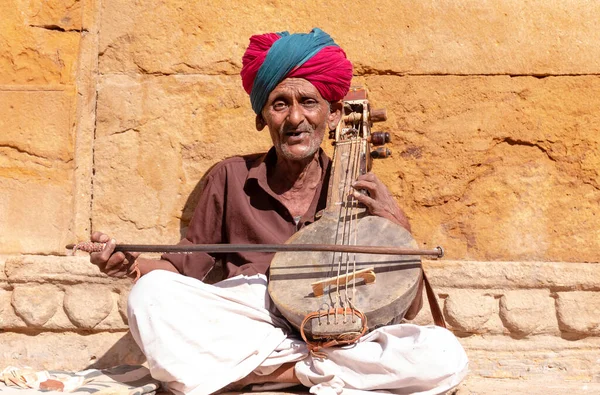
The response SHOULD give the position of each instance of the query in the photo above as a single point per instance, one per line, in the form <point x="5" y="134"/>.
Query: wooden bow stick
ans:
<point x="87" y="246"/>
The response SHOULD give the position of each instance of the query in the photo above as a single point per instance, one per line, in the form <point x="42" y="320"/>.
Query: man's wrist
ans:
<point x="146" y="265"/>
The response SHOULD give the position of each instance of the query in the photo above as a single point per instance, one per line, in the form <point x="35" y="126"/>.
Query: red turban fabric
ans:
<point x="314" y="57"/>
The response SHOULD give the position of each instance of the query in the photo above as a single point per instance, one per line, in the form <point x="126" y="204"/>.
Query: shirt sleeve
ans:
<point x="206" y="227"/>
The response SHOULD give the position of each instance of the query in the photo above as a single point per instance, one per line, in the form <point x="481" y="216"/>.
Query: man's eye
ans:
<point x="279" y="105"/>
<point x="310" y="102"/>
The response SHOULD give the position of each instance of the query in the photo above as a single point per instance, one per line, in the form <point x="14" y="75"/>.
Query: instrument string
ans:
<point x="347" y="224"/>
<point x="334" y="297"/>
<point x="357" y="164"/>
<point x="349" y="215"/>
<point x="347" y="185"/>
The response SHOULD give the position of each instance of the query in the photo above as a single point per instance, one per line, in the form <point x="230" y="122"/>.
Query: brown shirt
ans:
<point x="238" y="207"/>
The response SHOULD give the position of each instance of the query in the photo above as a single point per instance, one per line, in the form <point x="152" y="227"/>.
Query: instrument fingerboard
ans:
<point x="348" y="164"/>
<point x="350" y="158"/>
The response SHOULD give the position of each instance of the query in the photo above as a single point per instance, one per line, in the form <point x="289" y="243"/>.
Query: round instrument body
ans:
<point x="383" y="302"/>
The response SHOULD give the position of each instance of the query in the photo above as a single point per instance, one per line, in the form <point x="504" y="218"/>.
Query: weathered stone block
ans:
<point x="34" y="55"/>
<point x="513" y="275"/>
<point x="36" y="304"/>
<point x="528" y="312"/>
<point x="2" y="266"/>
<point x="579" y="312"/>
<point x="59" y="321"/>
<point x="70" y="269"/>
<point x="158" y="136"/>
<point x="479" y="160"/>
<point x="509" y="37"/>
<point x="36" y="150"/>
<point x="87" y="305"/>
<point x="533" y="357"/>
<point x="468" y="311"/>
<point x="36" y="126"/>
<point x="114" y="320"/>
<point x="69" y="350"/>
<point x="9" y="320"/>
<point x="5" y="297"/>
<point x="57" y="14"/>
<point x="34" y="202"/>
<point x="122" y="306"/>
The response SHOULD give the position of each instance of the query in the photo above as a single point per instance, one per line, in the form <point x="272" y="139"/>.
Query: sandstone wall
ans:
<point x="112" y="110"/>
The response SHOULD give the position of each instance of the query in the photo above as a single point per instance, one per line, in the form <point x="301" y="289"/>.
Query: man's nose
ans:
<point x="296" y="115"/>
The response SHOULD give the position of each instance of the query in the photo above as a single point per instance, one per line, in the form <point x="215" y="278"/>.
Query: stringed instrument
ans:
<point x="336" y="297"/>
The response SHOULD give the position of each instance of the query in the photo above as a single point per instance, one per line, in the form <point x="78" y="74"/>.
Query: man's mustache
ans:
<point x="299" y="129"/>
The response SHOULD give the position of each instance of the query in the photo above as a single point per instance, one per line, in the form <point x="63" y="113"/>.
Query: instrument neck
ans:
<point x="349" y="161"/>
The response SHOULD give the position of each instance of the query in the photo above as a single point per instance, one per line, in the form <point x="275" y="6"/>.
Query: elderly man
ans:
<point x="201" y="338"/>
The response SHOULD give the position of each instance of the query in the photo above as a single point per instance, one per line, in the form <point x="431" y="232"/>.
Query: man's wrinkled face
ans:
<point x="297" y="117"/>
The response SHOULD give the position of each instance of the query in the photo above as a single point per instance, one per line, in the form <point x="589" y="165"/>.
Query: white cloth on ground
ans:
<point x="198" y="338"/>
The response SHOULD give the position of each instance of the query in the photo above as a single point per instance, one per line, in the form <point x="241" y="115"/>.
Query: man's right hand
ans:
<point x="115" y="264"/>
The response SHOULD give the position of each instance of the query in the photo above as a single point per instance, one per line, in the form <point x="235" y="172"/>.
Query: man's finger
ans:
<point x="116" y="262"/>
<point x="98" y="258"/>
<point x="364" y="184"/>
<point x="117" y="273"/>
<point x="96" y="236"/>
<point x="369" y="202"/>
<point x="373" y="179"/>
<point x="131" y="256"/>
<point x="100" y="237"/>
<point x="367" y="177"/>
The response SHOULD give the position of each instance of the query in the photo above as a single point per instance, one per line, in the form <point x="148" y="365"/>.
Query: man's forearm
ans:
<point x="147" y="265"/>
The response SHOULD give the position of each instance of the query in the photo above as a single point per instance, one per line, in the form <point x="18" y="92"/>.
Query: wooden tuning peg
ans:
<point x="380" y="138"/>
<point x="378" y="115"/>
<point x="381" y="153"/>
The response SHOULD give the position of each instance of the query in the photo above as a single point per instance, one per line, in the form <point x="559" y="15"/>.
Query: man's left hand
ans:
<point x="379" y="201"/>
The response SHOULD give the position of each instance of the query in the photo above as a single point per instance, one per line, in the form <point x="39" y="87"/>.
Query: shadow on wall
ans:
<point x="124" y="352"/>
<point x="190" y="204"/>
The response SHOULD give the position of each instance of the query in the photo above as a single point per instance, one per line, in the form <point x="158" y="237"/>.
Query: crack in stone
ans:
<point x="516" y="142"/>
<point x="135" y="130"/>
<point x="23" y="151"/>
<point x="95" y="115"/>
<point x="59" y="28"/>
<point x="143" y="71"/>
<point x="592" y="184"/>
<point x="365" y="71"/>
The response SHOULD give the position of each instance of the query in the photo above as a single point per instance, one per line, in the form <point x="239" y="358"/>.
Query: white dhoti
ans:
<point x="198" y="338"/>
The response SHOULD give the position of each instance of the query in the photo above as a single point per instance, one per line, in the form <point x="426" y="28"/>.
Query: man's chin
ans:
<point x="297" y="153"/>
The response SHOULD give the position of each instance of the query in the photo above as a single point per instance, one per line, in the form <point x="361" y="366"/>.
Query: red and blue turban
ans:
<point x="272" y="57"/>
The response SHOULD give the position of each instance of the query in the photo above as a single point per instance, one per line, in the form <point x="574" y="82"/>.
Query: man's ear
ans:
<point x="335" y="114"/>
<point x="260" y="122"/>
